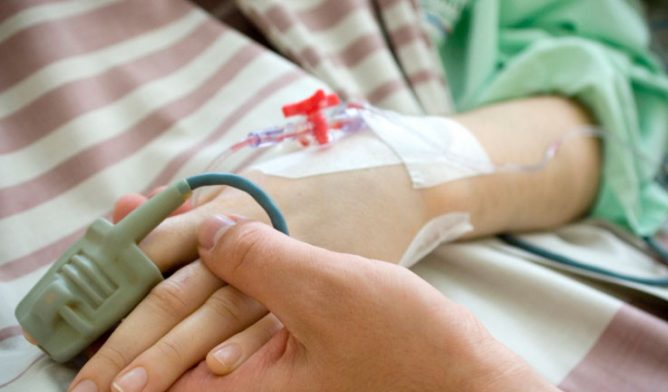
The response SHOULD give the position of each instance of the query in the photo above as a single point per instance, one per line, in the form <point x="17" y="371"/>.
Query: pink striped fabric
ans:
<point x="126" y="95"/>
<point x="413" y="84"/>
<point x="55" y="108"/>
<point x="20" y="266"/>
<point x="321" y="17"/>
<point x="70" y="173"/>
<point x="13" y="7"/>
<point x="79" y="34"/>
<point x="8" y="332"/>
<point x="166" y="45"/>
<point x="631" y="355"/>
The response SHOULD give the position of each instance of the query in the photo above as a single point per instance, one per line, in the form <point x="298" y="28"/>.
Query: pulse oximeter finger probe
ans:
<point x="104" y="275"/>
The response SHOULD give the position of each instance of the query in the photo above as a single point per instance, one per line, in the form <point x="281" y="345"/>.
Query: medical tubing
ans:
<point x="560" y="259"/>
<point x="657" y="248"/>
<point x="350" y="120"/>
<point x="243" y="184"/>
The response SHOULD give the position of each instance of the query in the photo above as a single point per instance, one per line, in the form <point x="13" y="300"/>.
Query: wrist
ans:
<point x="519" y="132"/>
<point x="374" y="212"/>
<point x="483" y="198"/>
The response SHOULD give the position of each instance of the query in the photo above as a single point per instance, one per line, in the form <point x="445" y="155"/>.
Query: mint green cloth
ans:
<point x="594" y="51"/>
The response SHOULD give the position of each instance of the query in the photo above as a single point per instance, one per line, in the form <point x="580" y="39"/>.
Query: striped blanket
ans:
<point x="98" y="99"/>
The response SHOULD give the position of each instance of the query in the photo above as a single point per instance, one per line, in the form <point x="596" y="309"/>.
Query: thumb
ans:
<point x="291" y="278"/>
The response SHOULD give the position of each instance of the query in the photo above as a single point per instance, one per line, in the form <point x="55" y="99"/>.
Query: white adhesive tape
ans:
<point x="434" y="150"/>
<point x="357" y="151"/>
<point x="444" y="228"/>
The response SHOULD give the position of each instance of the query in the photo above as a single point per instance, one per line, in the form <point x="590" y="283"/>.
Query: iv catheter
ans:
<point x="323" y="120"/>
<point x="316" y="126"/>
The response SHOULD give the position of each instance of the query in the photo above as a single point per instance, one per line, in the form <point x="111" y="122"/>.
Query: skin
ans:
<point x="447" y="350"/>
<point x="163" y="335"/>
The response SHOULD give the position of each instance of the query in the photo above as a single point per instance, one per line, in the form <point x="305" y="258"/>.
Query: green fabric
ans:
<point x="594" y="51"/>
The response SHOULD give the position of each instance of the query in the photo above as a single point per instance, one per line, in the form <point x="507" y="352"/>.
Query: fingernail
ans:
<point x="228" y="355"/>
<point x="85" y="386"/>
<point x="213" y="229"/>
<point x="132" y="381"/>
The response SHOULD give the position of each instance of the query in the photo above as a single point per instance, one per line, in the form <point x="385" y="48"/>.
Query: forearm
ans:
<point x="519" y="132"/>
<point x="376" y="212"/>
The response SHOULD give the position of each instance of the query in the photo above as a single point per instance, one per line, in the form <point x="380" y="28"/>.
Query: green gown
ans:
<point x="593" y="51"/>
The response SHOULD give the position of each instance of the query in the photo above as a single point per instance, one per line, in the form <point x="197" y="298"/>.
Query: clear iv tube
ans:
<point x="198" y="194"/>
<point x="585" y="131"/>
<point x="548" y="155"/>
<point x="551" y="151"/>
<point x="348" y="119"/>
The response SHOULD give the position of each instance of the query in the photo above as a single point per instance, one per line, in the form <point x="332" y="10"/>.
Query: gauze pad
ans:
<point x="434" y="150"/>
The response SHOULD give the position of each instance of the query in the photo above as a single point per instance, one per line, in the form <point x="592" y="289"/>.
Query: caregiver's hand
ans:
<point x="351" y="324"/>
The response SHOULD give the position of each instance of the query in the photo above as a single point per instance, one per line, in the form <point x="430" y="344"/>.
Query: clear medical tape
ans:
<point x="348" y="118"/>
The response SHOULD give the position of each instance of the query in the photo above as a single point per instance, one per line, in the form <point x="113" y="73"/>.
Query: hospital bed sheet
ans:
<point x="99" y="99"/>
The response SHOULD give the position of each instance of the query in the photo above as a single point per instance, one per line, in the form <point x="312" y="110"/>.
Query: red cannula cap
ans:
<point x="311" y="105"/>
<point x="312" y="108"/>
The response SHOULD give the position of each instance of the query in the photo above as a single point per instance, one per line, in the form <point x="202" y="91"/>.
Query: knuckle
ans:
<point x="228" y="303"/>
<point x="169" y="297"/>
<point x="112" y="358"/>
<point x="268" y="328"/>
<point x="169" y="351"/>
<point x="247" y="243"/>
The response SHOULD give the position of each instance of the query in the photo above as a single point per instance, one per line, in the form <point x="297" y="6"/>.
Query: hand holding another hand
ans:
<point x="350" y="324"/>
<point x="193" y="311"/>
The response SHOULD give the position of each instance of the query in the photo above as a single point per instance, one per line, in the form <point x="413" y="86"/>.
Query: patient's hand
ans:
<point x="372" y="213"/>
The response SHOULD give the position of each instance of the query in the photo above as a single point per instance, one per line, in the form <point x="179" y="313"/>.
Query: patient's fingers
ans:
<point x="168" y="303"/>
<point x="156" y="190"/>
<point x="173" y="241"/>
<point x="230" y="354"/>
<point x="227" y="312"/>
<point x="125" y="205"/>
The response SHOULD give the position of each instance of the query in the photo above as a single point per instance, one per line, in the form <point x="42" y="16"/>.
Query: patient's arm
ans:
<point x="372" y="212"/>
<point x="375" y="212"/>
<point x="519" y="132"/>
